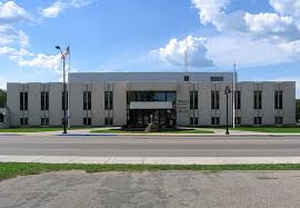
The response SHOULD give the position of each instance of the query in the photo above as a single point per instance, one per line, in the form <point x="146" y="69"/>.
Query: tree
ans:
<point x="298" y="110"/>
<point x="3" y="97"/>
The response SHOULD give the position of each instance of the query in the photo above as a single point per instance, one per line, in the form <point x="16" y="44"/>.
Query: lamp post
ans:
<point x="227" y="92"/>
<point x="63" y="57"/>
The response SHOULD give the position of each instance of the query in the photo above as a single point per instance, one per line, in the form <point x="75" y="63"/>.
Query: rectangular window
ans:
<point x="238" y="120"/>
<point x="216" y="79"/>
<point x="194" y="121"/>
<point x="23" y="101"/>
<point x="215" y="121"/>
<point x="24" y="121"/>
<point x="64" y="101"/>
<point x="278" y="120"/>
<point x="278" y="99"/>
<point x="215" y="100"/>
<point x="186" y="78"/>
<point x="194" y="100"/>
<point x="44" y="101"/>
<point x="87" y="121"/>
<point x="87" y="100"/>
<point x="108" y="99"/>
<point x="108" y="121"/>
<point x="237" y="102"/>
<point x="257" y="99"/>
<point x="44" y="121"/>
<point x="258" y="120"/>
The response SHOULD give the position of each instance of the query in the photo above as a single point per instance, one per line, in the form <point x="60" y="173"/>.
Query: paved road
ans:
<point x="153" y="189"/>
<point x="150" y="146"/>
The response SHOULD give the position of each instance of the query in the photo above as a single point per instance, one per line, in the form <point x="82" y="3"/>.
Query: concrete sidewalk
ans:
<point x="151" y="160"/>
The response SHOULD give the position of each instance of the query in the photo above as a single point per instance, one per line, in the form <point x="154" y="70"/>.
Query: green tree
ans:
<point x="3" y="97"/>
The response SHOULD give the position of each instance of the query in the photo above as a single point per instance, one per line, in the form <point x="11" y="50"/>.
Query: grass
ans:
<point x="179" y="131"/>
<point x="35" y="129"/>
<point x="270" y="129"/>
<point x="11" y="170"/>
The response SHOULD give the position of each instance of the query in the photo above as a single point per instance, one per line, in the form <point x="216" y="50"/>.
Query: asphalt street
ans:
<point x="76" y="189"/>
<point x="150" y="146"/>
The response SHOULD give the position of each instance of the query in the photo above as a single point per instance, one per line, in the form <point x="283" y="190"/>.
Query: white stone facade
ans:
<point x="120" y="83"/>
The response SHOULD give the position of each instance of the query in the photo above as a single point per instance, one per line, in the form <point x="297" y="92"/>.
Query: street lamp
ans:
<point x="63" y="57"/>
<point x="227" y="92"/>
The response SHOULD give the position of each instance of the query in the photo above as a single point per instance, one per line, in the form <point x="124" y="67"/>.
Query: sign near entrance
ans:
<point x="151" y="105"/>
<point x="182" y="106"/>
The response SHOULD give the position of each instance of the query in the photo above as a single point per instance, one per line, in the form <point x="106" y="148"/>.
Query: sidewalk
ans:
<point x="151" y="160"/>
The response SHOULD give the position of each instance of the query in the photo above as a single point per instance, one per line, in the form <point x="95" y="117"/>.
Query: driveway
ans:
<point x="172" y="189"/>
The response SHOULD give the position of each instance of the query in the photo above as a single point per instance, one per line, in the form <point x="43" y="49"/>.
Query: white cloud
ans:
<point x="286" y="7"/>
<point x="174" y="52"/>
<point x="227" y="49"/>
<point x="57" y="7"/>
<point x="10" y="12"/>
<point x="211" y="11"/>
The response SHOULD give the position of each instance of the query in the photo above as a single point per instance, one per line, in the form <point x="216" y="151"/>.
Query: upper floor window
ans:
<point x="186" y="78"/>
<point x="193" y="100"/>
<point x="257" y="99"/>
<point x="108" y="99"/>
<point x="44" y="101"/>
<point x="237" y="98"/>
<point x="87" y="100"/>
<point x="23" y="101"/>
<point x="278" y="99"/>
<point x="215" y="100"/>
<point x="216" y="79"/>
<point x="64" y="101"/>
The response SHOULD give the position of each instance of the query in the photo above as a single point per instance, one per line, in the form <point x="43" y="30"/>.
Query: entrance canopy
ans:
<point x="150" y="105"/>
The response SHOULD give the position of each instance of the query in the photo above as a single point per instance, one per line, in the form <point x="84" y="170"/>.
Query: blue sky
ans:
<point x="261" y="36"/>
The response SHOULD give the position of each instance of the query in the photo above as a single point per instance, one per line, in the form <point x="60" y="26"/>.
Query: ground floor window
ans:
<point x="278" y="120"/>
<point x="194" y="121"/>
<point x="44" y="121"/>
<point x="238" y="120"/>
<point x="1" y="118"/>
<point x="87" y="121"/>
<point x="258" y="120"/>
<point x="215" y="121"/>
<point x="108" y="121"/>
<point x="24" y="121"/>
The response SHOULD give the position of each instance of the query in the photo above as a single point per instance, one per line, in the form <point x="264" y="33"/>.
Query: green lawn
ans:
<point x="270" y="129"/>
<point x="10" y="170"/>
<point x="36" y="129"/>
<point x="188" y="131"/>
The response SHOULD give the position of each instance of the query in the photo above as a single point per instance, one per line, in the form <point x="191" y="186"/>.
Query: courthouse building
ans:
<point x="165" y="98"/>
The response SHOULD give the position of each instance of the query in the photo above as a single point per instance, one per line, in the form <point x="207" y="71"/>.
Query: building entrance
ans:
<point x="141" y="118"/>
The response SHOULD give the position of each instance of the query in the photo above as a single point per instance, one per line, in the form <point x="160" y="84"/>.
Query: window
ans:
<point x="257" y="99"/>
<point x="278" y="120"/>
<point x="108" y="121"/>
<point x="65" y="100"/>
<point x="44" y="101"/>
<point x="87" y="100"/>
<point x="238" y="120"/>
<point x="257" y="120"/>
<point x="215" y="121"/>
<point x="216" y="79"/>
<point x="23" y="101"/>
<point x="278" y="99"/>
<point x="108" y="98"/>
<point x="193" y="100"/>
<point x="186" y="78"/>
<point x="1" y="118"/>
<point x="44" y="121"/>
<point x="87" y="121"/>
<point x="215" y="100"/>
<point x="23" y="121"/>
<point x="194" y="121"/>
<point x="237" y="99"/>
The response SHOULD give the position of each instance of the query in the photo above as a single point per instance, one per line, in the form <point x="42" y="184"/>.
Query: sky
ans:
<point x="261" y="36"/>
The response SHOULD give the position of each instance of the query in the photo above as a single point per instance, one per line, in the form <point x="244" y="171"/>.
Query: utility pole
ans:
<point x="233" y="94"/>
<point x="63" y="58"/>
